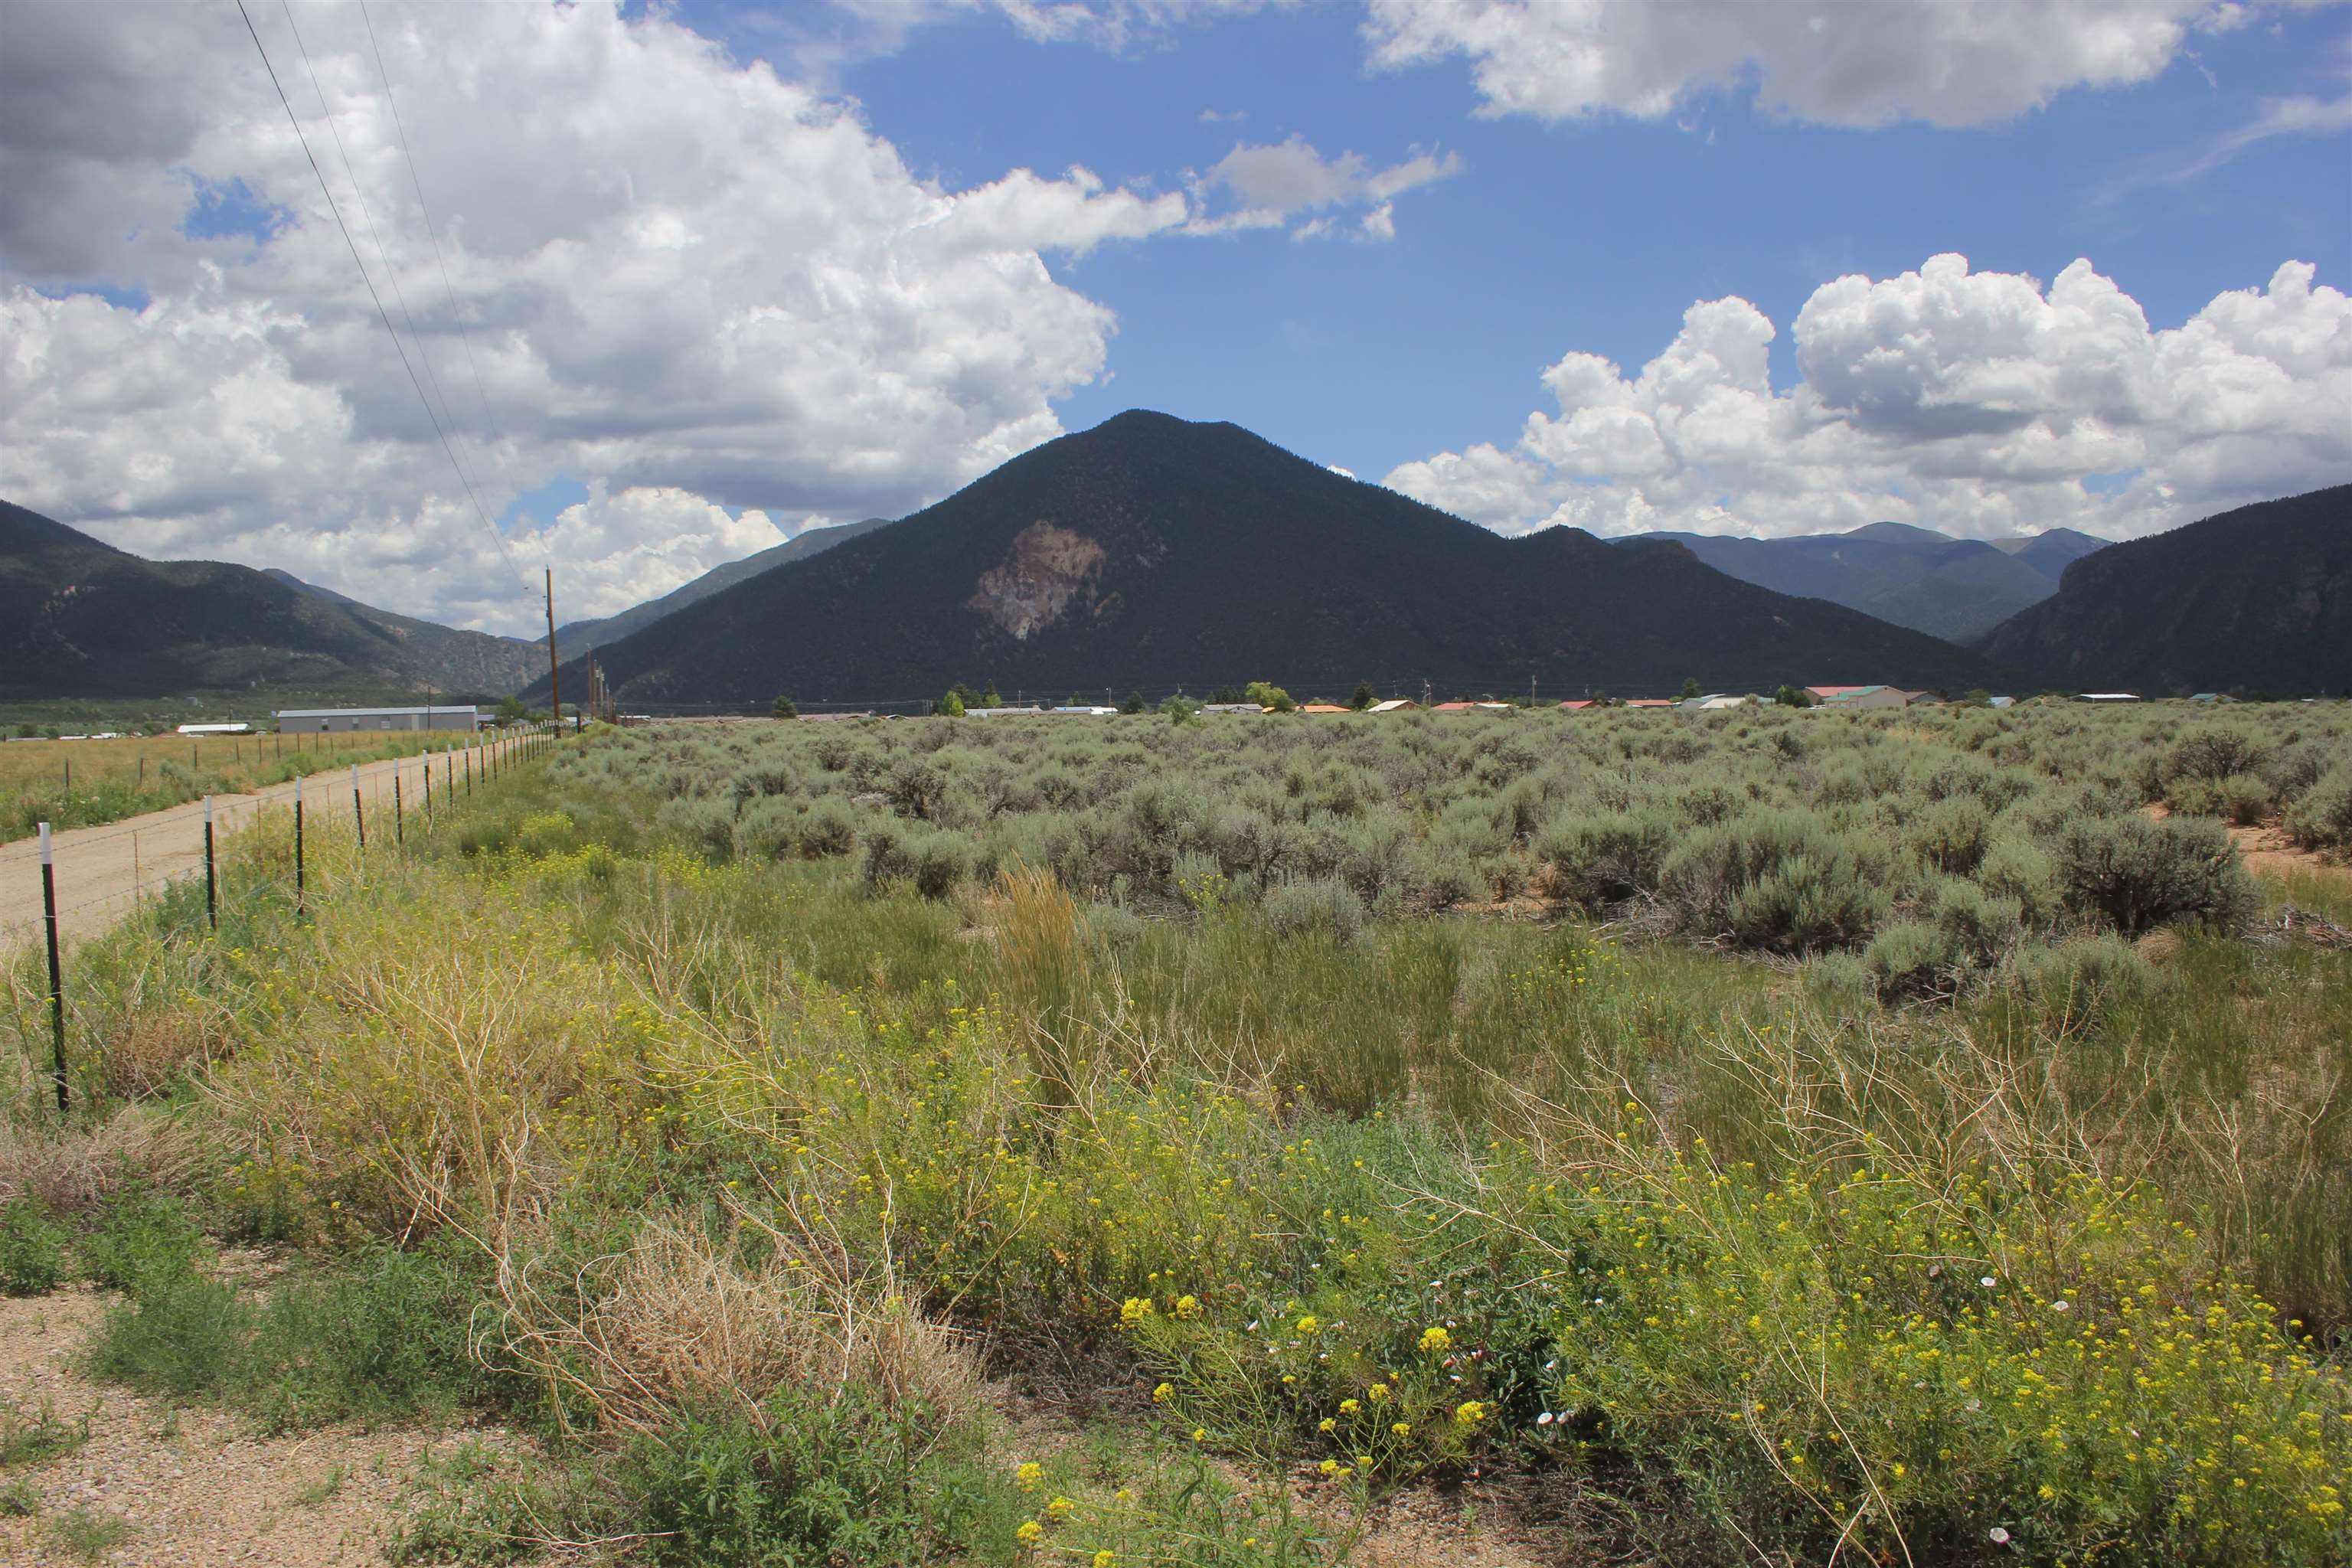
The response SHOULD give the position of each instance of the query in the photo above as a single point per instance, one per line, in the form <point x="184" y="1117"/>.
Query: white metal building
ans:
<point x="327" y="721"/>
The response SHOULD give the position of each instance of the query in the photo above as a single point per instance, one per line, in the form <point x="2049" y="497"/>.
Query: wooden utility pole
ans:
<point x="555" y="676"/>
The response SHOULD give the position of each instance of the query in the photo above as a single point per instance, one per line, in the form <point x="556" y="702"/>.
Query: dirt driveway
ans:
<point x="102" y="872"/>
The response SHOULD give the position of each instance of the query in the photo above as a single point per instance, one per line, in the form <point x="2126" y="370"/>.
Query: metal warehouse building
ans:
<point x="322" y="720"/>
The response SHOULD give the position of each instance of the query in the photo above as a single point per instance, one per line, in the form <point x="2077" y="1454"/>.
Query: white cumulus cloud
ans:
<point x="1977" y="402"/>
<point x="676" y="275"/>
<point x="1947" y="62"/>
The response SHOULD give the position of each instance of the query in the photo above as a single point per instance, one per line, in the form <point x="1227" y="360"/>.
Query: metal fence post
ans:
<point x="212" y="899"/>
<point x="359" y="818"/>
<point x="297" y="847"/>
<point x="56" y="979"/>
<point x="399" y="828"/>
<point x="469" y="771"/>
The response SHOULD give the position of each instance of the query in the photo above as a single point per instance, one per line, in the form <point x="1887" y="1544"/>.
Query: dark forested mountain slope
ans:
<point x="575" y="638"/>
<point x="79" y="618"/>
<point x="1150" y="551"/>
<point x="2258" y="600"/>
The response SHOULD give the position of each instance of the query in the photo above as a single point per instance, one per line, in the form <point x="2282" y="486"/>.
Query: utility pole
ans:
<point x="554" y="676"/>
<point x="1424" y="692"/>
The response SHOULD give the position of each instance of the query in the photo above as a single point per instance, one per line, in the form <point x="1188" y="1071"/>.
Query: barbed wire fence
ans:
<point x="246" y="853"/>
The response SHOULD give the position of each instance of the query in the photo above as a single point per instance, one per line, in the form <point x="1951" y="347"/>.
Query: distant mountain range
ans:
<point x="1958" y="589"/>
<point x="2258" y="601"/>
<point x="1149" y="550"/>
<point x="575" y="638"/>
<point x="80" y="619"/>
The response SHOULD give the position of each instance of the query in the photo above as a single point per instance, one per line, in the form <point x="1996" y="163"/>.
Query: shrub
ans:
<point x="2082" y="976"/>
<point x="2020" y="871"/>
<point x="32" y="1250"/>
<point x="2136" y="874"/>
<point x="1778" y="879"/>
<point x="1910" y="958"/>
<point x="1952" y="835"/>
<point x="1804" y="904"/>
<point x="1979" y="926"/>
<point x="2241" y="798"/>
<point x="2210" y="755"/>
<point x="1600" y="857"/>
<point x="812" y="1480"/>
<point x="705" y="827"/>
<point x="2321" y="819"/>
<point x="1326" y="906"/>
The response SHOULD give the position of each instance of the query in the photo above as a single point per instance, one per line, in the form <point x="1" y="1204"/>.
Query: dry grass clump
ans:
<point x="153" y="1048"/>
<point x="680" y="1323"/>
<point x="75" y="1168"/>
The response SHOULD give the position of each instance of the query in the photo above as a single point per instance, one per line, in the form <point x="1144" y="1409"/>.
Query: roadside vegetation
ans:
<point x="85" y="783"/>
<point x="1166" y="1139"/>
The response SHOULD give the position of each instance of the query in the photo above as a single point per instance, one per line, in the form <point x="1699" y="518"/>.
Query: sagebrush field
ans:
<point x="1753" y="1137"/>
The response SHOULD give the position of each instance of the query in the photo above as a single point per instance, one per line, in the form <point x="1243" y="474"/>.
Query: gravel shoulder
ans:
<point x="198" y="1488"/>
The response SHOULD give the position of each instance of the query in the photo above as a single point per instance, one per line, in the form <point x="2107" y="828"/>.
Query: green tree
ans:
<point x="1266" y="694"/>
<point x="511" y="711"/>
<point x="1180" y="710"/>
<point x="950" y="706"/>
<point x="1224" y="694"/>
<point x="786" y="708"/>
<point x="1690" y="688"/>
<point x="1134" y="704"/>
<point x="1363" y="698"/>
<point x="1793" y="696"/>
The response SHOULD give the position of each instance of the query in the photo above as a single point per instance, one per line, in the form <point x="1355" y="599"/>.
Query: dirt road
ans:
<point x="102" y="872"/>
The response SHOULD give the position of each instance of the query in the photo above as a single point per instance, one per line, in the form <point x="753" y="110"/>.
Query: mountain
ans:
<point x="575" y="638"/>
<point x="453" y="659"/>
<point x="2052" y="551"/>
<point x="1150" y="551"/>
<point x="1958" y="589"/>
<point x="80" y="619"/>
<point x="2258" y="600"/>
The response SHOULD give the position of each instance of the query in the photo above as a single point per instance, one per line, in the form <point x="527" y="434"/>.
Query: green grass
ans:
<point x="574" y="1115"/>
<point x="85" y="1535"/>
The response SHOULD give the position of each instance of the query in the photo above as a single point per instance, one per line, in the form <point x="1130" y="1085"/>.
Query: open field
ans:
<point x="1530" y="1139"/>
<point x="86" y="784"/>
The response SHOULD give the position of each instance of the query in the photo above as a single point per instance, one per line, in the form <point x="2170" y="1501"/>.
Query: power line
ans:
<point x="465" y="333"/>
<point x="382" y="314"/>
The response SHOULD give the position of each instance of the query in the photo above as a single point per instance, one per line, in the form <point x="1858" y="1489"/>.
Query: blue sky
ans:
<point x="684" y="278"/>
<point x="1591" y="234"/>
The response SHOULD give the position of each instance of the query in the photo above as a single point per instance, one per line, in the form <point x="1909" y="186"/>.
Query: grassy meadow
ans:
<point x="1754" y="1137"/>
<point x="83" y="783"/>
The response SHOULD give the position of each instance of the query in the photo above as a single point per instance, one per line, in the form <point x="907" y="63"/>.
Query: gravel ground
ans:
<point x="197" y="1487"/>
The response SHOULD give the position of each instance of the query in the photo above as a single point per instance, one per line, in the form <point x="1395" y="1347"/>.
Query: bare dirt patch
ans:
<point x="2267" y="851"/>
<point x="198" y="1488"/>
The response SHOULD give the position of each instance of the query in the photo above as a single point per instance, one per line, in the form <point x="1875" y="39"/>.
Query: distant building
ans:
<point x="1471" y="707"/>
<point x="238" y="729"/>
<point x="1578" y="706"/>
<point x="1393" y="705"/>
<point x="329" y="720"/>
<point x="2001" y="702"/>
<point x="1323" y="707"/>
<point x="2110" y="697"/>
<point x="1001" y="712"/>
<point x="1650" y="702"/>
<point x="1232" y="707"/>
<point x="1715" y="704"/>
<point x="1849" y="698"/>
<point x="1087" y="709"/>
